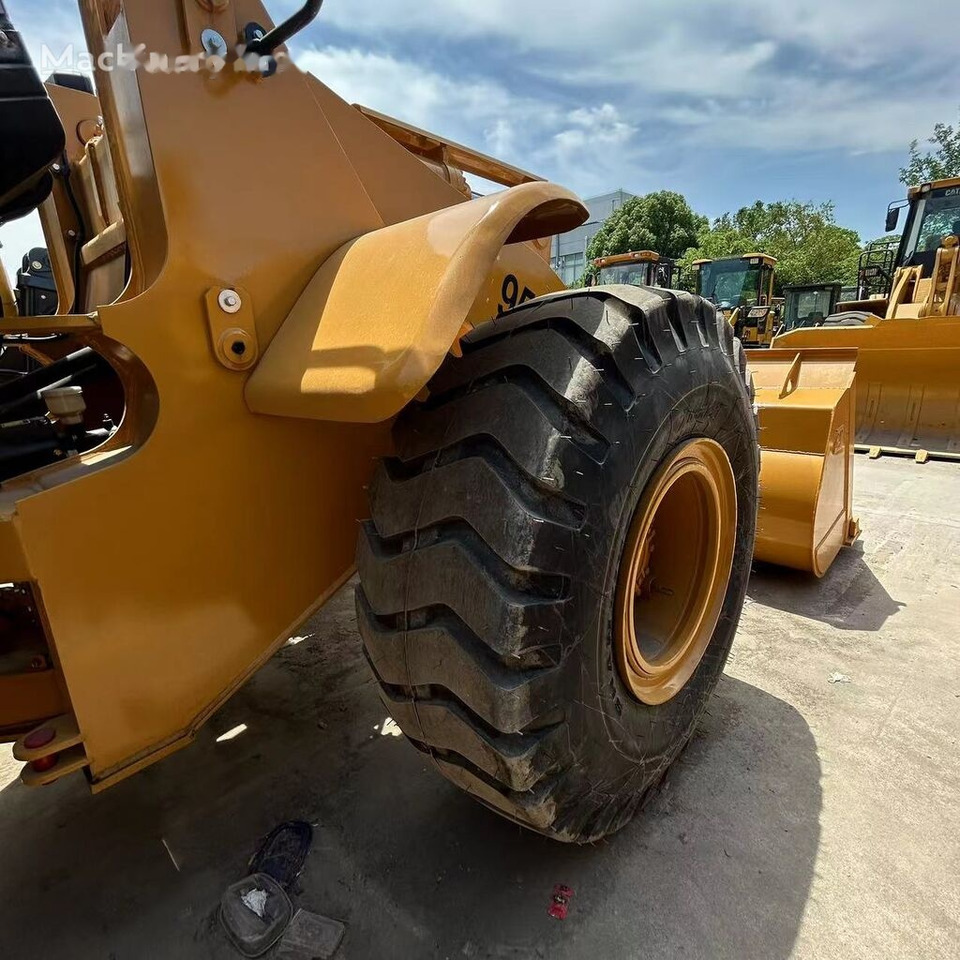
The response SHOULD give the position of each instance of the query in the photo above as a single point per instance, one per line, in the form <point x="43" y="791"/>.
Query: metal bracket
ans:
<point x="233" y="329"/>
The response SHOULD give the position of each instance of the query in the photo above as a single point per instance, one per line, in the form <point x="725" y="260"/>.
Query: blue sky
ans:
<point x="726" y="101"/>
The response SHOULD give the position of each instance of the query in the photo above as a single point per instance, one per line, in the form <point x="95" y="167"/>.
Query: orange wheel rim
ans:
<point x="675" y="571"/>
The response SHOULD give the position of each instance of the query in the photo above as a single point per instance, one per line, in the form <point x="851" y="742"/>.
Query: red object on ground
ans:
<point x="560" y="903"/>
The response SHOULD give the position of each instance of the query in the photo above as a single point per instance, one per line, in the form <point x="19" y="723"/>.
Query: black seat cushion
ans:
<point x="31" y="135"/>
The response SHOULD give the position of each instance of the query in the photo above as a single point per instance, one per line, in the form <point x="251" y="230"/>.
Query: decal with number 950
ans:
<point x="513" y="295"/>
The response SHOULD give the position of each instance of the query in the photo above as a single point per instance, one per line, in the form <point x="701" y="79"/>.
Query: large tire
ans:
<point x="490" y="568"/>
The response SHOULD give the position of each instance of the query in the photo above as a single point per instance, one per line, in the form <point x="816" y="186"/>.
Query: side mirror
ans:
<point x="893" y="219"/>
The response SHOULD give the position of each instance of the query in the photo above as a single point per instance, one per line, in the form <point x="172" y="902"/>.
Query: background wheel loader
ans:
<point x="562" y="485"/>
<point x="742" y="288"/>
<point x="908" y="397"/>
<point x="641" y="268"/>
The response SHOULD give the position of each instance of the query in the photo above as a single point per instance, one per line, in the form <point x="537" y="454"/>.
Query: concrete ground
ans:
<point x="807" y="819"/>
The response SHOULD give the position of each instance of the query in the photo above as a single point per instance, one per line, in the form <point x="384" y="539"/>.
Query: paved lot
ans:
<point x="807" y="819"/>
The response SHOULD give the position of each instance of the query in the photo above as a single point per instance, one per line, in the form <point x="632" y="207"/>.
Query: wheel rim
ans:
<point x="675" y="571"/>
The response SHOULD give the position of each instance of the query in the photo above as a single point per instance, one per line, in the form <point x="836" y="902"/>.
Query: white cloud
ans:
<point x="590" y="129"/>
<point x="820" y="64"/>
<point x="805" y="115"/>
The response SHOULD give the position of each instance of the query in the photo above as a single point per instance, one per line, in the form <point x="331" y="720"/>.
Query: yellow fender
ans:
<point x="380" y="315"/>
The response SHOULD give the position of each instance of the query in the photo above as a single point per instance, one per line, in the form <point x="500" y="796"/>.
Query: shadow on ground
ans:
<point x="849" y="597"/>
<point x="719" y="865"/>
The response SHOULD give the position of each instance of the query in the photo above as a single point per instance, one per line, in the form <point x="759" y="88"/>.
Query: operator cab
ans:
<point x="934" y="215"/>
<point x="809" y="305"/>
<point x="642" y="268"/>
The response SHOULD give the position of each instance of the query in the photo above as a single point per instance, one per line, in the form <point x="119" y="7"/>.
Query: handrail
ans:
<point x="278" y="36"/>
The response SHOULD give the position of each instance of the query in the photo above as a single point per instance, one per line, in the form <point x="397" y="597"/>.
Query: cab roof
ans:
<point x="637" y="256"/>
<point x="922" y="188"/>
<point x="765" y="257"/>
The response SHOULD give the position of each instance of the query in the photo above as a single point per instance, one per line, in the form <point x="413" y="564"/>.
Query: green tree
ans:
<point x="809" y="245"/>
<point x="940" y="163"/>
<point x="662" y="222"/>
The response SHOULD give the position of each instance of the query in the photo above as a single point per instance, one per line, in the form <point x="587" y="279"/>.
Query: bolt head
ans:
<point x="229" y="301"/>
<point x="238" y="347"/>
<point x="213" y="43"/>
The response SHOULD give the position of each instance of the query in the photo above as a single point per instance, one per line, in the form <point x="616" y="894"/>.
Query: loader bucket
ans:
<point x="908" y="384"/>
<point x="805" y="400"/>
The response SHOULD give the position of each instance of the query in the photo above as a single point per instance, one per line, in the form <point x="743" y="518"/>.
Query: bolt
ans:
<point x="56" y="168"/>
<point x="72" y="234"/>
<point x="36" y="264"/>
<point x="229" y="301"/>
<point x="238" y="347"/>
<point x="213" y="43"/>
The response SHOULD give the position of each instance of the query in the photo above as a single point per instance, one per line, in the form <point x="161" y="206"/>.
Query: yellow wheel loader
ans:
<point x="642" y="268"/>
<point x="742" y="288"/>
<point x="280" y="315"/>
<point x="908" y="395"/>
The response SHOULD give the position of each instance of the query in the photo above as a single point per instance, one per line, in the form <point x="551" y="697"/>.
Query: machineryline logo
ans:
<point x="131" y="59"/>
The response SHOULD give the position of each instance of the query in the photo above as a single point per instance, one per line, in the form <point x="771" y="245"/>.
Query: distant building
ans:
<point x="568" y="256"/>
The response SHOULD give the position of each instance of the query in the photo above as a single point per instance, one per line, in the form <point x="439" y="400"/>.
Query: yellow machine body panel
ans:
<point x="168" y="564"/>
<point x="806" y="402"/>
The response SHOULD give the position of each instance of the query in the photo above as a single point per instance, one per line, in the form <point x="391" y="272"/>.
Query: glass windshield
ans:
<point x="636" y="274"/>
<point x="733" y="283"/>
<point x="806" y="308"/>
<point x="935" y="217"/>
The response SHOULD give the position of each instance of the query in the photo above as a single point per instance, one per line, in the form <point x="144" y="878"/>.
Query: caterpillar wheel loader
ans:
<point x="280" y="315"/>
<point x="742" y="288"/>
<point x="641" y="268"/>
<point x="908" y="397"/>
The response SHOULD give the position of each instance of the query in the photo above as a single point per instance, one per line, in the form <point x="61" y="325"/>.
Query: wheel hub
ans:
<point x="675" y="570"/>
